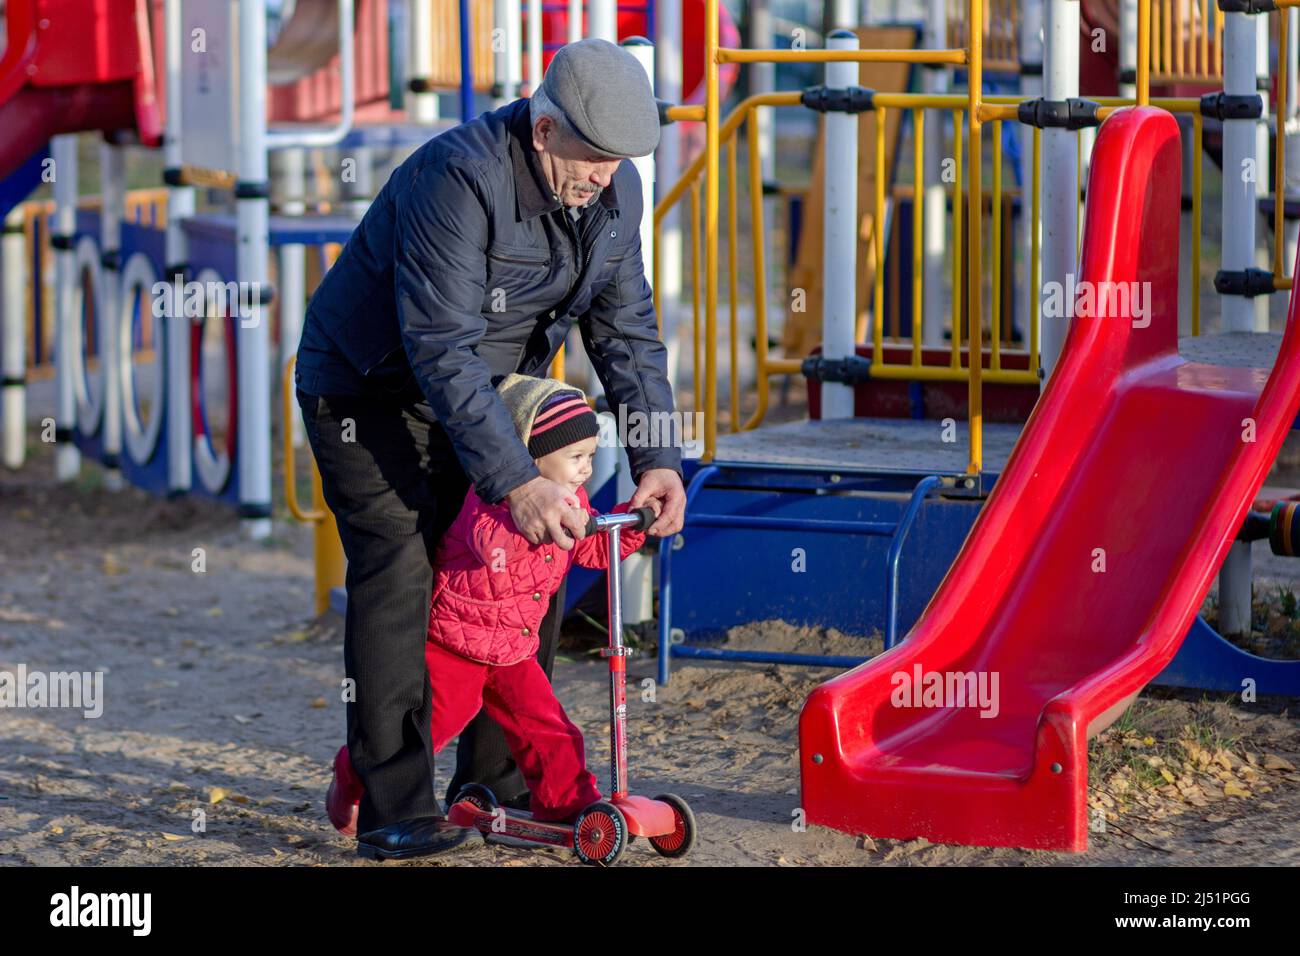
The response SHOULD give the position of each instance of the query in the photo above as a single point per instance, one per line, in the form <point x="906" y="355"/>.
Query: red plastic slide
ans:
<point x="70" y="66"/>
<point x="1085" y="567"/>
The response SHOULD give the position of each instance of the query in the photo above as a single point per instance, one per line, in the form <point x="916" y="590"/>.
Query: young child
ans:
<point x="491" y="589"/>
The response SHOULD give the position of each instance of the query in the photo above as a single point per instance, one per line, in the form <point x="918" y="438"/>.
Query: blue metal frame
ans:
<point x="466" y="65"/>
<point x="895" y="531"/>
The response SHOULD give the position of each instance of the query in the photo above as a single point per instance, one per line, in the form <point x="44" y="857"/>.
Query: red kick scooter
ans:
<point x="603" y="830"/>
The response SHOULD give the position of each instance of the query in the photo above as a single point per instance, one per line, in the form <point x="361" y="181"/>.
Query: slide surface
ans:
<point x="1086" y="566"/>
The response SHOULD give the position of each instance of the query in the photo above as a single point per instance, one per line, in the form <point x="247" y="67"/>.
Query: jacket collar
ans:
<point x="532" y="192"/>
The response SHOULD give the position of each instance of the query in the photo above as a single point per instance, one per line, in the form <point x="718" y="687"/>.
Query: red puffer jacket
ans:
<point x="491" y="588"/>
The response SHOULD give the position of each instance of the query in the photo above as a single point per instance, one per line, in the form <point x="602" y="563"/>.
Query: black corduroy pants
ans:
<point x="391" y="477"/>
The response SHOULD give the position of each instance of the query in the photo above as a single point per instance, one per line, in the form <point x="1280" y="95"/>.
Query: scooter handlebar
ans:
<point x="638" y="520"/>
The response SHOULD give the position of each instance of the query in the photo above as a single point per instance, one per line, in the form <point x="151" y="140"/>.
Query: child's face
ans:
<point x="571" y="465"/>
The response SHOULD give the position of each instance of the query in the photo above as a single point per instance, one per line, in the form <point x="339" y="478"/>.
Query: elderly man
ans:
<point x="473" y="262"/>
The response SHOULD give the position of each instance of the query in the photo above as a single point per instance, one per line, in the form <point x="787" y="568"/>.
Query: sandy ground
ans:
<point x="222" y="705"/>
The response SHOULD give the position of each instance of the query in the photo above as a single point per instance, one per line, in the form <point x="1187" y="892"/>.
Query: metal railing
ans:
<point x="702" y="183"/>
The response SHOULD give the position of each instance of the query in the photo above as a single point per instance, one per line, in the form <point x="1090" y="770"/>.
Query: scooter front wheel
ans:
<point x="600" y="834"/>
<point x="679" y="842"/>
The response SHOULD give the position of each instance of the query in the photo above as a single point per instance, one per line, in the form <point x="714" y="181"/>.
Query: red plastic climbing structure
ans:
<point x="70" y="66"/>
<point x="1133" y="457"/>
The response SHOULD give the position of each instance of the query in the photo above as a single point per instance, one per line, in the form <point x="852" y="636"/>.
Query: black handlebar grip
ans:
<point x="648" y="517"/>
<point x="591" y="525"/>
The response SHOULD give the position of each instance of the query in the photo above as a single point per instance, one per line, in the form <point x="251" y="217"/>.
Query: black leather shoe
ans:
<point x="419" y="836"/>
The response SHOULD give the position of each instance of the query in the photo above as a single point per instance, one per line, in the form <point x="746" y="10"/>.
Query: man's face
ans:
<point x="575" y="172"/>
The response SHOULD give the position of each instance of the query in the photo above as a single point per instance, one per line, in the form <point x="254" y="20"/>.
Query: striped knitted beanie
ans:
<point x="548" y="414"/>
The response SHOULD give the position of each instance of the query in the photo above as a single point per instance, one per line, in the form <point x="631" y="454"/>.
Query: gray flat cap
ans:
<point x="606" y="96"/>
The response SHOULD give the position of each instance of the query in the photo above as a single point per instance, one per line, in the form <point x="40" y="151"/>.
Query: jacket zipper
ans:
<point x="519" y="261"/>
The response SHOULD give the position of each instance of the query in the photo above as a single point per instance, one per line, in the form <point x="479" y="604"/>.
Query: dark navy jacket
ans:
<point x="465" y="268"/>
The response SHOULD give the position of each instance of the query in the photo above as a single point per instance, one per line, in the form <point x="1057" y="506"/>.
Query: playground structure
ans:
<point x="866" y="486"/>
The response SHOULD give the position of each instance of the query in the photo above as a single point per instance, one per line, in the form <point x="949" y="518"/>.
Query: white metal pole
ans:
<point x="67" y="456"/>
<point x="1238" y="246"/>
<point x="292" y="294"/>
<point x="1128" y="19"/>
<point x="843" y="15"/>
<point x="1263" y="179"/>
<point x="840" y="236"/>
<point x="668" y="84"/>
<point x="180" y="206"/>
<point x="422" y="107"/>
<point x="1240" y="159"/>
<point x="637" y="593"/>
<point x="575" y="21"/>
<point x="514" y="50"/>
<point x="502" y="35"/>
<point x="534" y="45"/>
<point x="644" y="52"/>
<point x="604" y="19"/>
<point x="13" y="347"/>
<point x="934" y="210"/>
<point x="252" y="211"/>
<point x="112" y="175"/>
<point x="1060" y="177"/>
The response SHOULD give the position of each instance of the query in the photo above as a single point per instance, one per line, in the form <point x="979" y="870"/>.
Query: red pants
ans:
<point x="546" y="745"/>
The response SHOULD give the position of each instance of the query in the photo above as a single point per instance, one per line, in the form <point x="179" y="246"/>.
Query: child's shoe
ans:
<point x="343" y="799"/>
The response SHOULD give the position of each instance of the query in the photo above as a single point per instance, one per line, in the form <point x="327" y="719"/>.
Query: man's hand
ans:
<point x="663" y="486"/>
<point x="544" y="510"/>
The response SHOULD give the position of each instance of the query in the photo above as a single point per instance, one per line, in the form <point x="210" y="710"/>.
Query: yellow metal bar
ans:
<point x="733" y="289"/>
<point x="1144" y="52"/>
<point x="926" y="373"/>
<point x="1180" y="45"/>
<point x="918" y="222"/>
<point x="1035" y="235"/>
<point x="1204" y="62"/>
<point x="757" y="234"/>
<point x="680" y="114"/>
<point x="732" y="123"/>
<point x="878" y="238"/>
<point x="712" y="131"/>
<point x="1197" y="130"/>
<point x="733" y="55"/>
<point x="696" y="292"/>
<point x="995" y="309"/>
<point x="956" y="240"/>
<point x="290" y="464"/>
<point x="974" y="239"/>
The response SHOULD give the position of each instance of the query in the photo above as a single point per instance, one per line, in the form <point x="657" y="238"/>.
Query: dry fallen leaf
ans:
<point x="1274" y="762"/>
<point x="319" y="702"/>
<point x="56" y="829"/>
<point x="1234" y="789"/>
<point x="172" y="836"/>
<point x="214" y="612"/>
<point x="216" y="795"/>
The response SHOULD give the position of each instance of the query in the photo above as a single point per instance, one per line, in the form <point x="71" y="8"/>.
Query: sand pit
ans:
<point x="221" y="704"/>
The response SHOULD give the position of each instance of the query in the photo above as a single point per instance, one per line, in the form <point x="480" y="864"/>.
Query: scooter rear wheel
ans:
<point x="600" y="834"/>
<point x="679" y="842"/>
<point x="479" y="795"/>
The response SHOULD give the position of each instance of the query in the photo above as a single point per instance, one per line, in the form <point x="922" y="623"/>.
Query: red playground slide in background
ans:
<point x="1133" y="457"/>
<point x="70" y="66"/>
